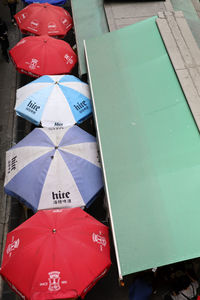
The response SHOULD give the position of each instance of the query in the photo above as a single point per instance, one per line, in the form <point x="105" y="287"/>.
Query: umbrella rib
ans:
<point x="67" y="237"/>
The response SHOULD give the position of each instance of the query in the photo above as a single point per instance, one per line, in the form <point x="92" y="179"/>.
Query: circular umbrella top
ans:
<point x="54" y="101"/>
<point x="43" y="55"/>
<point x="56" y="254"/>
<point x="41" y="19"/>
<point x="52" y="168"/>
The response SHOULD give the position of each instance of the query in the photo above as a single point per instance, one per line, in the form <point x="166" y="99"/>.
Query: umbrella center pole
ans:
<point x="54" y="230"/>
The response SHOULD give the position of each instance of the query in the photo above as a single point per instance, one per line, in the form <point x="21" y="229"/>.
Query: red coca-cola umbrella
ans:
<point x="43" y="55"/>
<point x="41" y="19"/>
<point x="56" y="254"/>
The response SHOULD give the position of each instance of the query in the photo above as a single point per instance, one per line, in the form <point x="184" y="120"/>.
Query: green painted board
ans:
<point x="89" y="21"/>
<point x="150" y="148"/>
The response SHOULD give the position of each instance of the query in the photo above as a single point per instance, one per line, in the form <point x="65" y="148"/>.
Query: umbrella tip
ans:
<point x="54" y="230"/>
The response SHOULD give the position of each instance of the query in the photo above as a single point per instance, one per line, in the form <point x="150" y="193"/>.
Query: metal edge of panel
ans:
<point x="104" y="174"/>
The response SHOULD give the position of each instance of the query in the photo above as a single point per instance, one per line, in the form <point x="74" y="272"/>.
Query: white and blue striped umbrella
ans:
<point x="53" y="101"/>
<point x="57" y="167"/>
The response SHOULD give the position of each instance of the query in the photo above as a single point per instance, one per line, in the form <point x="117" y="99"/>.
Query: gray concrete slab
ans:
<point x="123" y="13"/>
<point x="185" y="56"/>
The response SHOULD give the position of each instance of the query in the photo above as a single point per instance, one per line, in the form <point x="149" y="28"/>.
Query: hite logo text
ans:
<point x="61" y="197"/>
<point x="81" y="106"/>
<point x="32" y="107"/>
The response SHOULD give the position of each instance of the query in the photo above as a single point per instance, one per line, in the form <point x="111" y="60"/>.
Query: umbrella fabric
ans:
<point x="59" y="100"/>
<point x="43" y="55"/>
<point x="53" y="2"/>
<point x="56" y="254"/>
<point x="44" y="19"/>
<point x="53" y="168"/>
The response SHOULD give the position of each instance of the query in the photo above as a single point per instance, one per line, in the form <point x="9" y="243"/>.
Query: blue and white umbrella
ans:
<point x="53" y="101"/>
<point x="53" y="2"/>
<point x="57" y="167"/>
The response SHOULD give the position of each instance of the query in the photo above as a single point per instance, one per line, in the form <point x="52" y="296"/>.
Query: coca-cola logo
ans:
<point x="52" y="25"/>
<point x="34" y="23"/>
<point x="12" y="246"/>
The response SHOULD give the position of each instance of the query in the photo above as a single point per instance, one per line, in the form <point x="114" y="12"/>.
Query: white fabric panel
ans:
<point x="18" y="158"/>
<point x="56" y="77"/>
<point x="57" y="109"/>
<point x="28" y="90"/>
<point x="79" y="87"/>
<point x="55" y="134"/>
<point x="59" y="181"/>
<point x="86" y="151"/>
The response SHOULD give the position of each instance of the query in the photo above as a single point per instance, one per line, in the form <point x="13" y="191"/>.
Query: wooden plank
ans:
<point x="183" y="49"/>
<point x="185" y="56"/>
<point x="191" y="94"/>
<point x="195" y="75"/>
<point x="170" y="44"/>
<point x="188" y="36"/>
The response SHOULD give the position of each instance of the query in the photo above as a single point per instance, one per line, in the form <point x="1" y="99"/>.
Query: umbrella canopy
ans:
<point x="53" y="168"/>
<point x="44" y="19"/>
<point x="43" y="55"/>
<point x="53" y="2"/>
<point x="56" y="254"/>
<point x="59" y="100"/>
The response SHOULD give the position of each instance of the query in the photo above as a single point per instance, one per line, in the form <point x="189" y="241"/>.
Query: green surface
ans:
<point x="89" y="21"/>
<point x="150" y="148"/>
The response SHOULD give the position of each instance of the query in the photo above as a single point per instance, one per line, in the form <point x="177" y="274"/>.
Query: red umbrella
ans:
<point x="43" y="55"/>
<point x="40" y="19"/>
<point x="56" y="254"/>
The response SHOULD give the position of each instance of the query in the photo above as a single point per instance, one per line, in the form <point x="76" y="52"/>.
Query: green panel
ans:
<point x="89" y="21"/>
<point x="150" y="148"/>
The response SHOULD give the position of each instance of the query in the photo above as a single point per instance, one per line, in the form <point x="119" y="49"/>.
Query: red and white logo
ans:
<point x="64" y="21"/>
<point x="33" y="64"/>
<point x="34" y="23"/>
<point x="54" y="281"/>
<point x="99" y="239"/>
<point x="23" y="16"/>
<point x="52" y="26"/>
<point x="12" y="246"/>
<point x="69" y="59"/>
<point x="21" y="42"/>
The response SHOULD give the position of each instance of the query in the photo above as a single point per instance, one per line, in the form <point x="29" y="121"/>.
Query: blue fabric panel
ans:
<point x="53" y="2"/>
<point x="44" y="78"/>
<point x="76" y="135"/>
<point x="37" y="137"/>
<point x="87" y="176"/>
<point x="33" y="106"/>
<point x="69" y="78"/>
<point x="80" y="105"/>
<point x="28" y="183"/>
<point x="13" y="195"/>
